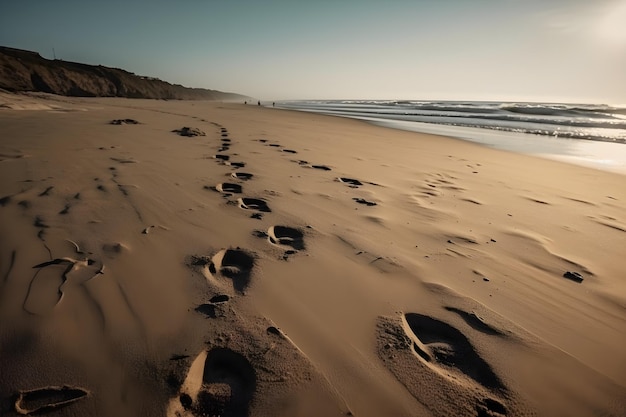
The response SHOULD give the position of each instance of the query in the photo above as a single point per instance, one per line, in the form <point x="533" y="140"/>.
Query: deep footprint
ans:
<point x="228" y="384"/>
<point x="286" y="236"/>
<point x="241" y="175"/>
<point x="350" y="181"/>
<point x="443" y="345"/>
<point x="235" y="264"/>
<point x="253" y="204"/>
<point x="226" y="187"/>
<point x="46" y="399"/>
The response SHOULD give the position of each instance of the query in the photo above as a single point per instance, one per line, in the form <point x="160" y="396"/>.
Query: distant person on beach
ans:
<point x="258" y="103"/>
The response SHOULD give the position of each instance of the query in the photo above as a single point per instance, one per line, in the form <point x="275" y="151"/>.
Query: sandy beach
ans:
<point x="267" y="262"/>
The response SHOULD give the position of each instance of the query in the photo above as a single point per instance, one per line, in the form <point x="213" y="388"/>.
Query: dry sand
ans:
<point x="143" y="273"/>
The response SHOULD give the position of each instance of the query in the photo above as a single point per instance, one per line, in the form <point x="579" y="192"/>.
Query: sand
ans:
<point x="278" y="263"/>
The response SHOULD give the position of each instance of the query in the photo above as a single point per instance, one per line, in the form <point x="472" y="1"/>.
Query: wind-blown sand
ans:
<point x="291" y="264"/>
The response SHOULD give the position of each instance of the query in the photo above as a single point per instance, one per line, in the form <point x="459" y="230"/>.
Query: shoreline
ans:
<point x="603" y="155"/>
<point x="354" y="269"/>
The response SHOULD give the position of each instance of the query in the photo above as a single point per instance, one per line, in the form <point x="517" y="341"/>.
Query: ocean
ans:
<point x="586" y="134"/>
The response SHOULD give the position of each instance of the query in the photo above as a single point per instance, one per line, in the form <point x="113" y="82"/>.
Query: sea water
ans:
<point x="586" y="134"/>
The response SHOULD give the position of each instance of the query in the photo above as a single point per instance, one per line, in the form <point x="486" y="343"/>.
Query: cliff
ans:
<point x="22" y="70"/>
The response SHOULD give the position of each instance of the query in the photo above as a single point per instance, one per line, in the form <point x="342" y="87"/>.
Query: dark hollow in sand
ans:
<point x="189" y="131"/>
<point x="440" y="343"/>
<point x="275" y="331"/>
<point x="222" y="157"/>
<point x="364" y="201"/>
<point x="228" y="384"/>
<point x="574" y="276"/>
<point x="254" y="204"/>
<point x="221" y="298"/>
<point x="235" y="264"/>
<point x="241" y="175"/>
<point x="5" y="200"/>
<point x="47" y="399"/>
<point x="123" y="122"/>
<point x="227" y="187"/>
<point x="350" y="181"/>
<point x="284" y="235"/>
<point x="207" y="309"/>
<point x="322" y="167"/>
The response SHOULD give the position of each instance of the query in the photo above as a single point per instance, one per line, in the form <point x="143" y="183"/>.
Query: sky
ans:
<point x="571" y="51"/>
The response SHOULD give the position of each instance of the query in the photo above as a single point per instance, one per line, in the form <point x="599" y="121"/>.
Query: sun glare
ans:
<point x="611" y="25"/>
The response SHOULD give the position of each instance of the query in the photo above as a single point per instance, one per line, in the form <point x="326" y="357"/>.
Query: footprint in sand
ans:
<point x="47" y="399"/>
<point x="364" y="202"/>
<point x="253" y="204"/>
<point x="350" y="181"/>
<point x="210" y="309"/>
<point x="235" y="264"/>
<point x="448" y="350"/>
<point x="286" y="236"/>
<point x="235" y="164"/>
<point x="124" y="122"/>
<point x="226" y="187"/>
<point x="220" y="382"/>
<point x="322" y="167"/>
<point x="189" y="131"/>
<point x="241" y="175"/>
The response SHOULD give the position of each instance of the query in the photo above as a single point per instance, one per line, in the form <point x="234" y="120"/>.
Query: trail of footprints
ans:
<point x="443" y="348"/>
<point x="231" y="269"/>
<point x="220" y="381"/>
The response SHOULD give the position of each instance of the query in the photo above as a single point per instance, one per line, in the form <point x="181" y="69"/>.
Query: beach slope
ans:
<point x="197" y="258"/>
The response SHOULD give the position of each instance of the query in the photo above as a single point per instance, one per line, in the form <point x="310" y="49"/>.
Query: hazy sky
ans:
<point x="535" y="50"/>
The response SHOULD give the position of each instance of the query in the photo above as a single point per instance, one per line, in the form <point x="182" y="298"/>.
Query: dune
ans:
<point x="172" y="258"/>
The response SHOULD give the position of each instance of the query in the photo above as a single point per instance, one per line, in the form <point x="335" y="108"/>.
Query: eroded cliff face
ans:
<point x="28" y="71"/>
